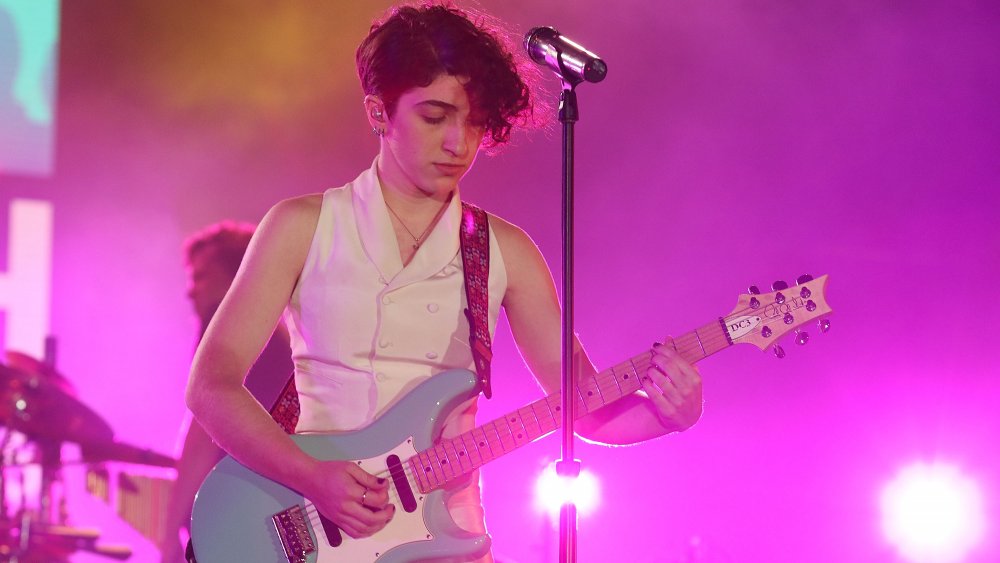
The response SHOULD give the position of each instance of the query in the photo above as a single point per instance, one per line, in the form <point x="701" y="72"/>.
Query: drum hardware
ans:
<point x="39" y="412"/>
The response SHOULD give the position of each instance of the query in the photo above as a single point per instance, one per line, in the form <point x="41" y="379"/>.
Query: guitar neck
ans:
<point x="456" y="457"/>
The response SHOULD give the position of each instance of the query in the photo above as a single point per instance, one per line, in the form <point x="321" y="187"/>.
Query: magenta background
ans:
<point x="732" y="143"/>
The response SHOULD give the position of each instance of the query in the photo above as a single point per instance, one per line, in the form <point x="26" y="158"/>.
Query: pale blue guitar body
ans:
<point x="232" y="516"/>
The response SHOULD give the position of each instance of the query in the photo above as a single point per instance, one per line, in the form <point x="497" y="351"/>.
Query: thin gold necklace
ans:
<point x="417" y="241"/>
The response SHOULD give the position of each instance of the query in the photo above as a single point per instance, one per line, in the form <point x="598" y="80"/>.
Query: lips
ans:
<point x="449" y="169"/>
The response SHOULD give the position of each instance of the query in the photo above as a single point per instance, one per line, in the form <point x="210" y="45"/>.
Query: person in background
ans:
<point x="212" y="258"/>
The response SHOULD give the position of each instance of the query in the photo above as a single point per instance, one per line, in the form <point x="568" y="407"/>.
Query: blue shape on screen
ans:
<point x="29" y="33"/>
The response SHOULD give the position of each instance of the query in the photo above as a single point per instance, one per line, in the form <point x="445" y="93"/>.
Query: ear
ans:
<point x="375" y="111"/>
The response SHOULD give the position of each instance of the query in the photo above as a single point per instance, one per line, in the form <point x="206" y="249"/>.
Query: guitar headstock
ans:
<point x="762" y="318"/>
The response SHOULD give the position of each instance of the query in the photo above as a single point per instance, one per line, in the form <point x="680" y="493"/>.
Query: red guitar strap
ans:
<point x="475" y="238"/>
<point x="285" y="410"/>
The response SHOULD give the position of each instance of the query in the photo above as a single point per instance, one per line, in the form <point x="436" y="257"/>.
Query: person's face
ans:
<point x="208" y="282"/>
<point x="432" y="138"/>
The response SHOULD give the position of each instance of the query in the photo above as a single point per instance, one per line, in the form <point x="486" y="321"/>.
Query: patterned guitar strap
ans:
<point x="475" y="239"/>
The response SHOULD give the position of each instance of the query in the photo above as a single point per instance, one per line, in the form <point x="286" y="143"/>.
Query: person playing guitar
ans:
<point x="370" y="280"/>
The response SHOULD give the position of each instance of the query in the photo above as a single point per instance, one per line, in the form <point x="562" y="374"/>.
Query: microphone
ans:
<point x="546" y="46"/>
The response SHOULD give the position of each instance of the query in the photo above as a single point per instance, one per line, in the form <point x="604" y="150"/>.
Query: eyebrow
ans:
<point x="439" y="104"/>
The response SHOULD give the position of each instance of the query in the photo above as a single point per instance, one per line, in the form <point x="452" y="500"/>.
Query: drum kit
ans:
<point x="40" y="412"/>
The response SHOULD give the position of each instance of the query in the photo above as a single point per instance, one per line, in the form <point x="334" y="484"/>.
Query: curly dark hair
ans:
<point x="413" y="45"/>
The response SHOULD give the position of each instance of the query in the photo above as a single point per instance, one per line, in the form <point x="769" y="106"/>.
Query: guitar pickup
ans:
<point x="293" y="532"/>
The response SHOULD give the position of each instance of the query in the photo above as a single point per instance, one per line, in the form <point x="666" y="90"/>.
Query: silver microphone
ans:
<point x="546" y="46"/>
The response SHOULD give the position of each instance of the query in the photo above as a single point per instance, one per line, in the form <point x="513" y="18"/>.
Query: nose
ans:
<point x="458" y="139"/>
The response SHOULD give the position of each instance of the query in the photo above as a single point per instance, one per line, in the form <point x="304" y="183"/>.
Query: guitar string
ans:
<point x="690" y="344"/>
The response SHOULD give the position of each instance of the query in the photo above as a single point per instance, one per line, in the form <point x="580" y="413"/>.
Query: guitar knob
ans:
<point x="824" y="325"/>
<point x="801" y="337"/>
<point x="766" y="331"/>
<point x="805" y="293"/>
<point x="804" y="278"/>
<point x="753" y="290"/>
<point x="810" y="305"/>
<point x="754" y="303"/>
<point x="779" y="285"/>
<point x="779" y="352"/>
<point x="779" y="298"/>
<point x="789" y="319"/>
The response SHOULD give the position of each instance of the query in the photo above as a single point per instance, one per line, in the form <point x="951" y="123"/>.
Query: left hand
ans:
<point x="674" y="388"/>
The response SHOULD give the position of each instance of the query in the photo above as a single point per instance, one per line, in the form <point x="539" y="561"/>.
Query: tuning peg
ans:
<point x="754" y="290"/>
<point x="779" y="352"/>
<point x="801" y="337"/>
<point x="824" y="325"/>
<point x="779" y="285"/>
<point x="804" y="278"/>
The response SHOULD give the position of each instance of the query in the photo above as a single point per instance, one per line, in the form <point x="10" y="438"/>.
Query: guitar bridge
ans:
<point x="293" y="531"/>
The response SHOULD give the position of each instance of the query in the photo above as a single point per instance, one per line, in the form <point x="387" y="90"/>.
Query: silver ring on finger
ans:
<point x="363" y="495"/>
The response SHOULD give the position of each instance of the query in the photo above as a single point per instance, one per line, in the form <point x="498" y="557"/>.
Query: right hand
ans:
<point x="337" y="489"/>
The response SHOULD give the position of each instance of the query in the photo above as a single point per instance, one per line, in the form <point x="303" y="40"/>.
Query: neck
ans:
<point x="405" y="197"/>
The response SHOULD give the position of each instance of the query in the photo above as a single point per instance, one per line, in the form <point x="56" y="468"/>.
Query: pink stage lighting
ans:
<point x="932" y="513"/>
<point x="552" y="491"/>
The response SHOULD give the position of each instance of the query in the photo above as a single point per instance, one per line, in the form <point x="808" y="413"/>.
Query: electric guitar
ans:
<point x="241" y="517"/>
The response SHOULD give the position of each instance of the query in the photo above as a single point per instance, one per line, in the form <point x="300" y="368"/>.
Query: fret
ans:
<point x="546" y="422"/>
<point x="506" y="434"/>
<point x="426" y="470"/>
<point x="475" y="457"/>
<point x="521" y="436"/>
<point x="529" y="422"/>
<point x="479" y="435"/>
<point x="594" y="383"/>
<point x="444" y="462"/>
<point x="496" y="431"/>
<point x="635" y="371"/>
<point x="464" y="466"/>
<point x="614" y="378"/>
<point x="423" y="484"/>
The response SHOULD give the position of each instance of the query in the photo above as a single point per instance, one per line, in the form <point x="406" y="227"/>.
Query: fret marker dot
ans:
<point x="481" y="444"/>
<point x="427" y="469"/>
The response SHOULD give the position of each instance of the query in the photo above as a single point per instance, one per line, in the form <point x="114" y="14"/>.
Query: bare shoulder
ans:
<point x="298" y="213"/>
<point x="292" y="219"/>
<point x="513" y="241"/>
<point x="524" y="262"/>
<point x="285" y="233"/>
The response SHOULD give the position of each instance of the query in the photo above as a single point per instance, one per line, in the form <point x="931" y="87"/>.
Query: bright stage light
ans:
<point x="932" y="513"/>
<point x="552" y="491"/>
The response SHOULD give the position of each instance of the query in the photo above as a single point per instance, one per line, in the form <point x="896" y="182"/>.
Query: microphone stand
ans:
<point x="568" y="467"/>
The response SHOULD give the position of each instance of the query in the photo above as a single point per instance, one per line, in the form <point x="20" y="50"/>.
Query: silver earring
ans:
<point x="377" y="113"/>
<point x="378" y="132"/>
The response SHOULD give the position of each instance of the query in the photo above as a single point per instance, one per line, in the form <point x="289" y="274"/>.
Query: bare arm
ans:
<point x="238" y="331"/>
<point x="198" y="456"/>
<point x="671" y="400"/>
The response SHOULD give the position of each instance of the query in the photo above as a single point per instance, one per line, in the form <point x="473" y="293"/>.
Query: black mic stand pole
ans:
<point x="568" y="467"/>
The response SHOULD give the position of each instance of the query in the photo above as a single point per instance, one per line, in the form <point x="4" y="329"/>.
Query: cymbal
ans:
<point x="119" y="451"/>
<point x="43" y="407"/>
<point x="29" y="365"/>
